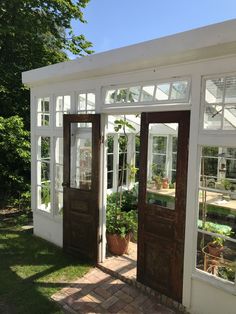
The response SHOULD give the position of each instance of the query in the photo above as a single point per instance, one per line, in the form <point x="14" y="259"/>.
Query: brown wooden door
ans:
<point x="164" y="153"/>
<point x="81" y="185"/>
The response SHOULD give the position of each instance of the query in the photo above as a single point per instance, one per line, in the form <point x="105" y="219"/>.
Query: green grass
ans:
<point x="31" y="270"/>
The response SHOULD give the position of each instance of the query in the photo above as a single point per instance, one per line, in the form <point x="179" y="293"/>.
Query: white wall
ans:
<point x="48" y="228"/>
<point x="207" y="299"/>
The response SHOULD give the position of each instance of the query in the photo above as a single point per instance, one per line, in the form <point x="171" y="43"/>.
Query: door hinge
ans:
<point x="102" y="139"/>
<point x="100" y="239"/>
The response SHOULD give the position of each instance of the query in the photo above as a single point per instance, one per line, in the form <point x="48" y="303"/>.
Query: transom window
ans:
<point x="220" y="103"/>
<point x="43" y="114"/>
<point x="165" y="92"/>
<point x="86" y="103"/>
<point x="63" y="106"/>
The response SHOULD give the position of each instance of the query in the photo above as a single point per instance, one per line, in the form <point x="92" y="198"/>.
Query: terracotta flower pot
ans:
<point x="165" y="183"/>
<point x="116" y="244"/>
<point x="215" y="250"/>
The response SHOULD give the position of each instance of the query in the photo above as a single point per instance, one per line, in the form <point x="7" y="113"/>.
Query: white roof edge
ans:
<point x="181" y="47"/>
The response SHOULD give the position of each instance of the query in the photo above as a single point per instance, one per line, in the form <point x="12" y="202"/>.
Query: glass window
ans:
<point x="59" y="175"/>
<point x="162" y="159"/>
<point x="63" y="106"/>
<point x="147" y="93"/>
<point x="216" y="245"/>
<point x="159" y="92"/>
<point x="110" y="161"/>
<point x="162" y="91"/>
<point x="81" y="158"/>
<point x="122" y="168"/>
<point x="179" y="90"/>
<point x="43" y="174"/>
<point x="86" y="103"/>
<point x="220" y="104"/>
<point x="43" y="114"/>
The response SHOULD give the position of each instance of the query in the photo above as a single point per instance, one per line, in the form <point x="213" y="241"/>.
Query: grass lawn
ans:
<point x="31" y="270"/>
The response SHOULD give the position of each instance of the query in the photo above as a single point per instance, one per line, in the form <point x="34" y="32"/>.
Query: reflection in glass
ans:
<point x="214" y="90"/>
<point x="162" y="91"/>
<point x="213" y="117"/>
<point x="162" y="155"/>
<point x="229" y="122"/>
<point x="134" y="94"/>
<point x="179" y="90"/>
<point x="230" y="90"/>
<point x="81" y="157"/>
<point x="216" y="246"/>
<point x="147" y="93"/>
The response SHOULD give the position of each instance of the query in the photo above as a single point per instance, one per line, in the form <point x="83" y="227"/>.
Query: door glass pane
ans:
<point x="81" y="157"/>
<point x="161" y="171"/>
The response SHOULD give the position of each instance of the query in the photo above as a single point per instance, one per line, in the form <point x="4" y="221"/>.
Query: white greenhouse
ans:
<point x="157" y="121"/>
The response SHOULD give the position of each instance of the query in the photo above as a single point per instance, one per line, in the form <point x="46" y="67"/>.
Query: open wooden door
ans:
<point x="81" y="185"/>
<point x="163" y="153"/>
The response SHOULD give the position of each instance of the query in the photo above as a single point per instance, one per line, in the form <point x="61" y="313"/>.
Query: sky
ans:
<point x="118" y="23"/>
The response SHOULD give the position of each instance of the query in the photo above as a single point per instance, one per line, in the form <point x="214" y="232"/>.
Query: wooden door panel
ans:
<point x="162" y="223"/>
<point x="81" y="197"/>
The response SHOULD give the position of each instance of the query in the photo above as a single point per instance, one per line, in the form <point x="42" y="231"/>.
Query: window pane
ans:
<point x="162" y="91"/>
<point x="179" y="90"/>
<point x="122" y="95"/>
<point x="161" y="178"/>
<point x="214" y="90"/>
<point x="109" y="180"/>
<point x="81" y="157"/>
<point x="66" y="104"/>
<point x="110" y="96"/>
<point x="147" y="93"/>
<point x="134" y="94"/>
<point x="230" y="90"/>
<point x="110" y="162"/>
<point x="44" y="197"/>
<point x="110" y="144"/>
<point x="44" y="146"/>
<point x="212" y="117"/>
<point x="90" y="102"/>
<point x="217" y="261"/>
<point x="43" y="112"/>
<point x="81" y="102"/>
<point x="59" y="151"/>
<point x="59" y="103"/>
<point x="216" y="251"/>
<point x="229" y="122"/>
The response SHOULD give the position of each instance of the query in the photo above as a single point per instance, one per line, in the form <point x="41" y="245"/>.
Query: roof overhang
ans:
<point x="203" y="43"/>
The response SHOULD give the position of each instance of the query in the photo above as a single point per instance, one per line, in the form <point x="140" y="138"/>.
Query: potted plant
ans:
<point x="216" y="246"/>
<point x="120" y="225"/>
<point x="158" y="182"/>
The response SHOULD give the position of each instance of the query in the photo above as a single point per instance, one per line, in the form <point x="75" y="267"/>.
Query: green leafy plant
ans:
<point x="217" y="229"/>
<point x="120" y="222"/>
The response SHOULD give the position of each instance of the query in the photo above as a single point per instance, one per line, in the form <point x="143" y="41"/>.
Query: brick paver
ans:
<point x="98" y="292"/>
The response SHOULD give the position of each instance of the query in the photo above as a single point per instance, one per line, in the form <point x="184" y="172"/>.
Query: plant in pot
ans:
<point x="120" y="225"/>
<point x="216" y="246"/>
<point x="158" y="182"/>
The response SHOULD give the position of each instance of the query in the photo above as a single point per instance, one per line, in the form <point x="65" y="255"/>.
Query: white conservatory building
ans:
<point x="157" y="119"/>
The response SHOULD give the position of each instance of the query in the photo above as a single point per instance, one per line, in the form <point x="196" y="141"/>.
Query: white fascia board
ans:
<point x="202" y="43"/>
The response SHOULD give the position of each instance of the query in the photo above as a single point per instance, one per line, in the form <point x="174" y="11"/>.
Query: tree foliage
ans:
<point x="33" y="33"/>
<point x="14" y="158"/>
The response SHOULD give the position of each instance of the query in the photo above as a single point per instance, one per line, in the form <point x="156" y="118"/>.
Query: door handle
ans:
<point x="65" y="184"/>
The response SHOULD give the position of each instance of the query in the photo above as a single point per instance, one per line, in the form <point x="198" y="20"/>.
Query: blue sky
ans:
<point x="117" y="23"/>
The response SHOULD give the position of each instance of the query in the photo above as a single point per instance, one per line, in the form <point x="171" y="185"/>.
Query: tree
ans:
<point x="34" y="33"/>
<point x="14" y="159"/>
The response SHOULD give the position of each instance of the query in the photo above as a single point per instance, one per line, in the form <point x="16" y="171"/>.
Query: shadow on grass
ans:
<point x="31" y="270"/>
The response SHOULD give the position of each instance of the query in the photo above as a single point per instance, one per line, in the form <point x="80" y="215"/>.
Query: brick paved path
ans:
<point x="98" y="292"/>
